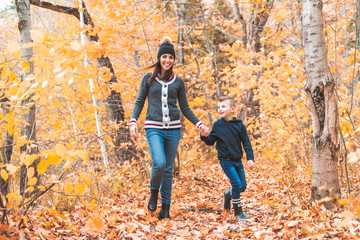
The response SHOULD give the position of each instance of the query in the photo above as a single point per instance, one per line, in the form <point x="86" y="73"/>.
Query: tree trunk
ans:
<point x="320" y="89"/>
<point x="240" y="18"/>
<point x="258" y="20"/>
<point x="257" y="24"/>
<point x="28" y="105"/>
<point x="6" y="152"/>
<point x="210" y="50"/>
<point x="180" y="13"/>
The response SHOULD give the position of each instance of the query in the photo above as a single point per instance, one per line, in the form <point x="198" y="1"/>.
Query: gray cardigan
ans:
<point x="162" y="111"/>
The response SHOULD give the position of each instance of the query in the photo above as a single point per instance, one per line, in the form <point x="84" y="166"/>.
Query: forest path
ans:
<point x="196" y="209"/>
<point x="276" y="200"/>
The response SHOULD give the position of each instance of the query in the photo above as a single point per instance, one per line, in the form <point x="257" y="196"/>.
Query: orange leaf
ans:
<point x="95" y="225"/>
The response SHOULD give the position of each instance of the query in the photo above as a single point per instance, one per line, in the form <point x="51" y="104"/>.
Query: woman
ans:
<point x="163" y="89"/>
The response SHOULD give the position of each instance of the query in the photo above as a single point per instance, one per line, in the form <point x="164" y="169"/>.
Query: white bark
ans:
<point x="320" y="89"/>
<point x="315" y="50"/>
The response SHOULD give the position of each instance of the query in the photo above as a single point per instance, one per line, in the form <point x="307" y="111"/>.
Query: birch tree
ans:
<point x="320" y="89"/>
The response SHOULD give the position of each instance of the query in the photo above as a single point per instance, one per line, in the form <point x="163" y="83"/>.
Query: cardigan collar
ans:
<point x="171" y="80"/>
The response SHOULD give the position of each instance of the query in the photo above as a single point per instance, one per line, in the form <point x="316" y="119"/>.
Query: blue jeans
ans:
<point x="163" y="147"/>
<point x="236" y="174"/>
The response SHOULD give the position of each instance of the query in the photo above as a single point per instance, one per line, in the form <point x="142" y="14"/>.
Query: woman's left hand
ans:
<point x="204" y="130"/>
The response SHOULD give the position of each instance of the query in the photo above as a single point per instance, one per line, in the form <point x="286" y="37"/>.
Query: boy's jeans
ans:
<point x="235" y="172"/>
<point x="163" y="147"/>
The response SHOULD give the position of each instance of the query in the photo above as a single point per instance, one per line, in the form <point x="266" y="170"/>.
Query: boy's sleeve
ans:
<point x="212" y="138"/>
<point x="246" y="143"/>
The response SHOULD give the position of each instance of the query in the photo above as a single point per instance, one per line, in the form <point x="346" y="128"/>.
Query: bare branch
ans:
<point x="64" y="9"/>
<point x="243" y="22"/>
<point x="228" y="34"/>
<point x="56" y="8"/>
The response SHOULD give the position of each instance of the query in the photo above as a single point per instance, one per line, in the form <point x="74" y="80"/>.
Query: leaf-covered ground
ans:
<point x="277" y="203"/>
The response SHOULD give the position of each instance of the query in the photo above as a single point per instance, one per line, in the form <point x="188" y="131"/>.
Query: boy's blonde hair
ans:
<point x="231" y="100"/>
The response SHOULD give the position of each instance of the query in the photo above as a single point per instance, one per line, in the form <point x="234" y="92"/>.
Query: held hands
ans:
<point x="251" y="164"/>
<point x="134" y="131"/>
<point x="204" y="131"/>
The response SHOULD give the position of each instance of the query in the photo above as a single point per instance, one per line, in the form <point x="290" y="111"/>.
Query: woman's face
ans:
<point x="166" y="61"/>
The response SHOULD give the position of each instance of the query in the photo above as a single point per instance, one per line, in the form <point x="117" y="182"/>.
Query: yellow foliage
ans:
<point x="83" y="155"/>
<point x="30" y="172"/>
<point x="13" y="47"/>
<point x="11" y="168"/>
<point x="42" y="188"/>
<point x="43" y="100"/>
<point x="52" y="157"/>
<point x="32" y="181"/>
<point x="79" y="188"/>
<point x="60" y="149"/>
<point x="92" y="203"/>
<point x="14" y="195"/>
<point x="28" y="159"/>
<point x="42" y="166"/>
<point x="37" y="36"/>
<point x="30" y="189"/>
<point x="57" y="126"/>
<point x="68" y="188"/>
<point x="85" y="178"/>
<point x="4" y="174"/>
<point x="75" y="45"/>
<point x="57" y="104"/>
<point x="63" y="217"/>
<point x="25" y="65"/>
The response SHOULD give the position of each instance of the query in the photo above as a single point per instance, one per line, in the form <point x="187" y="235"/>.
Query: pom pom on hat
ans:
<point x="166" y="47"/>
<point x="165" y="39"/>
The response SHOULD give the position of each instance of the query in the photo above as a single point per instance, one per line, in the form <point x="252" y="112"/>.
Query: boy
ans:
<point x="230" y="134"/>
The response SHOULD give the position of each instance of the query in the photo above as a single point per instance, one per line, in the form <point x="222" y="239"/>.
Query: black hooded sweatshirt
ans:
<point x="230" y="136"/>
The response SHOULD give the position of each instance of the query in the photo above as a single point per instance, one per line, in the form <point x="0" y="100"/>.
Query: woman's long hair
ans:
<point x="157" y="73"/>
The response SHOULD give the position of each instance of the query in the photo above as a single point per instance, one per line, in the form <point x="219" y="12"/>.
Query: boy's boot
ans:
<point x="227" y="199"/>
<point x="164" y="212"/>
<point x="153" y="199"/>
<point x="239" y="212"/>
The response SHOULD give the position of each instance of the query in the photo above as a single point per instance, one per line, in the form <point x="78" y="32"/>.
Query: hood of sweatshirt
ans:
<point x="234" y="120"/>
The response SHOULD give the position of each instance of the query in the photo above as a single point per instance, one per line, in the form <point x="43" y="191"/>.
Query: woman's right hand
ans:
<point x="134" y="130"/>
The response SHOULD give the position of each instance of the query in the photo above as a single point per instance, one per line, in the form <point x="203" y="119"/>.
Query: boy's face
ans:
<point x="225" y="110"/>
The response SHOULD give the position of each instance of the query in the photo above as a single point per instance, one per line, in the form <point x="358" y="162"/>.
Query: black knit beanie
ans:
<point x="166" y="47"/>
